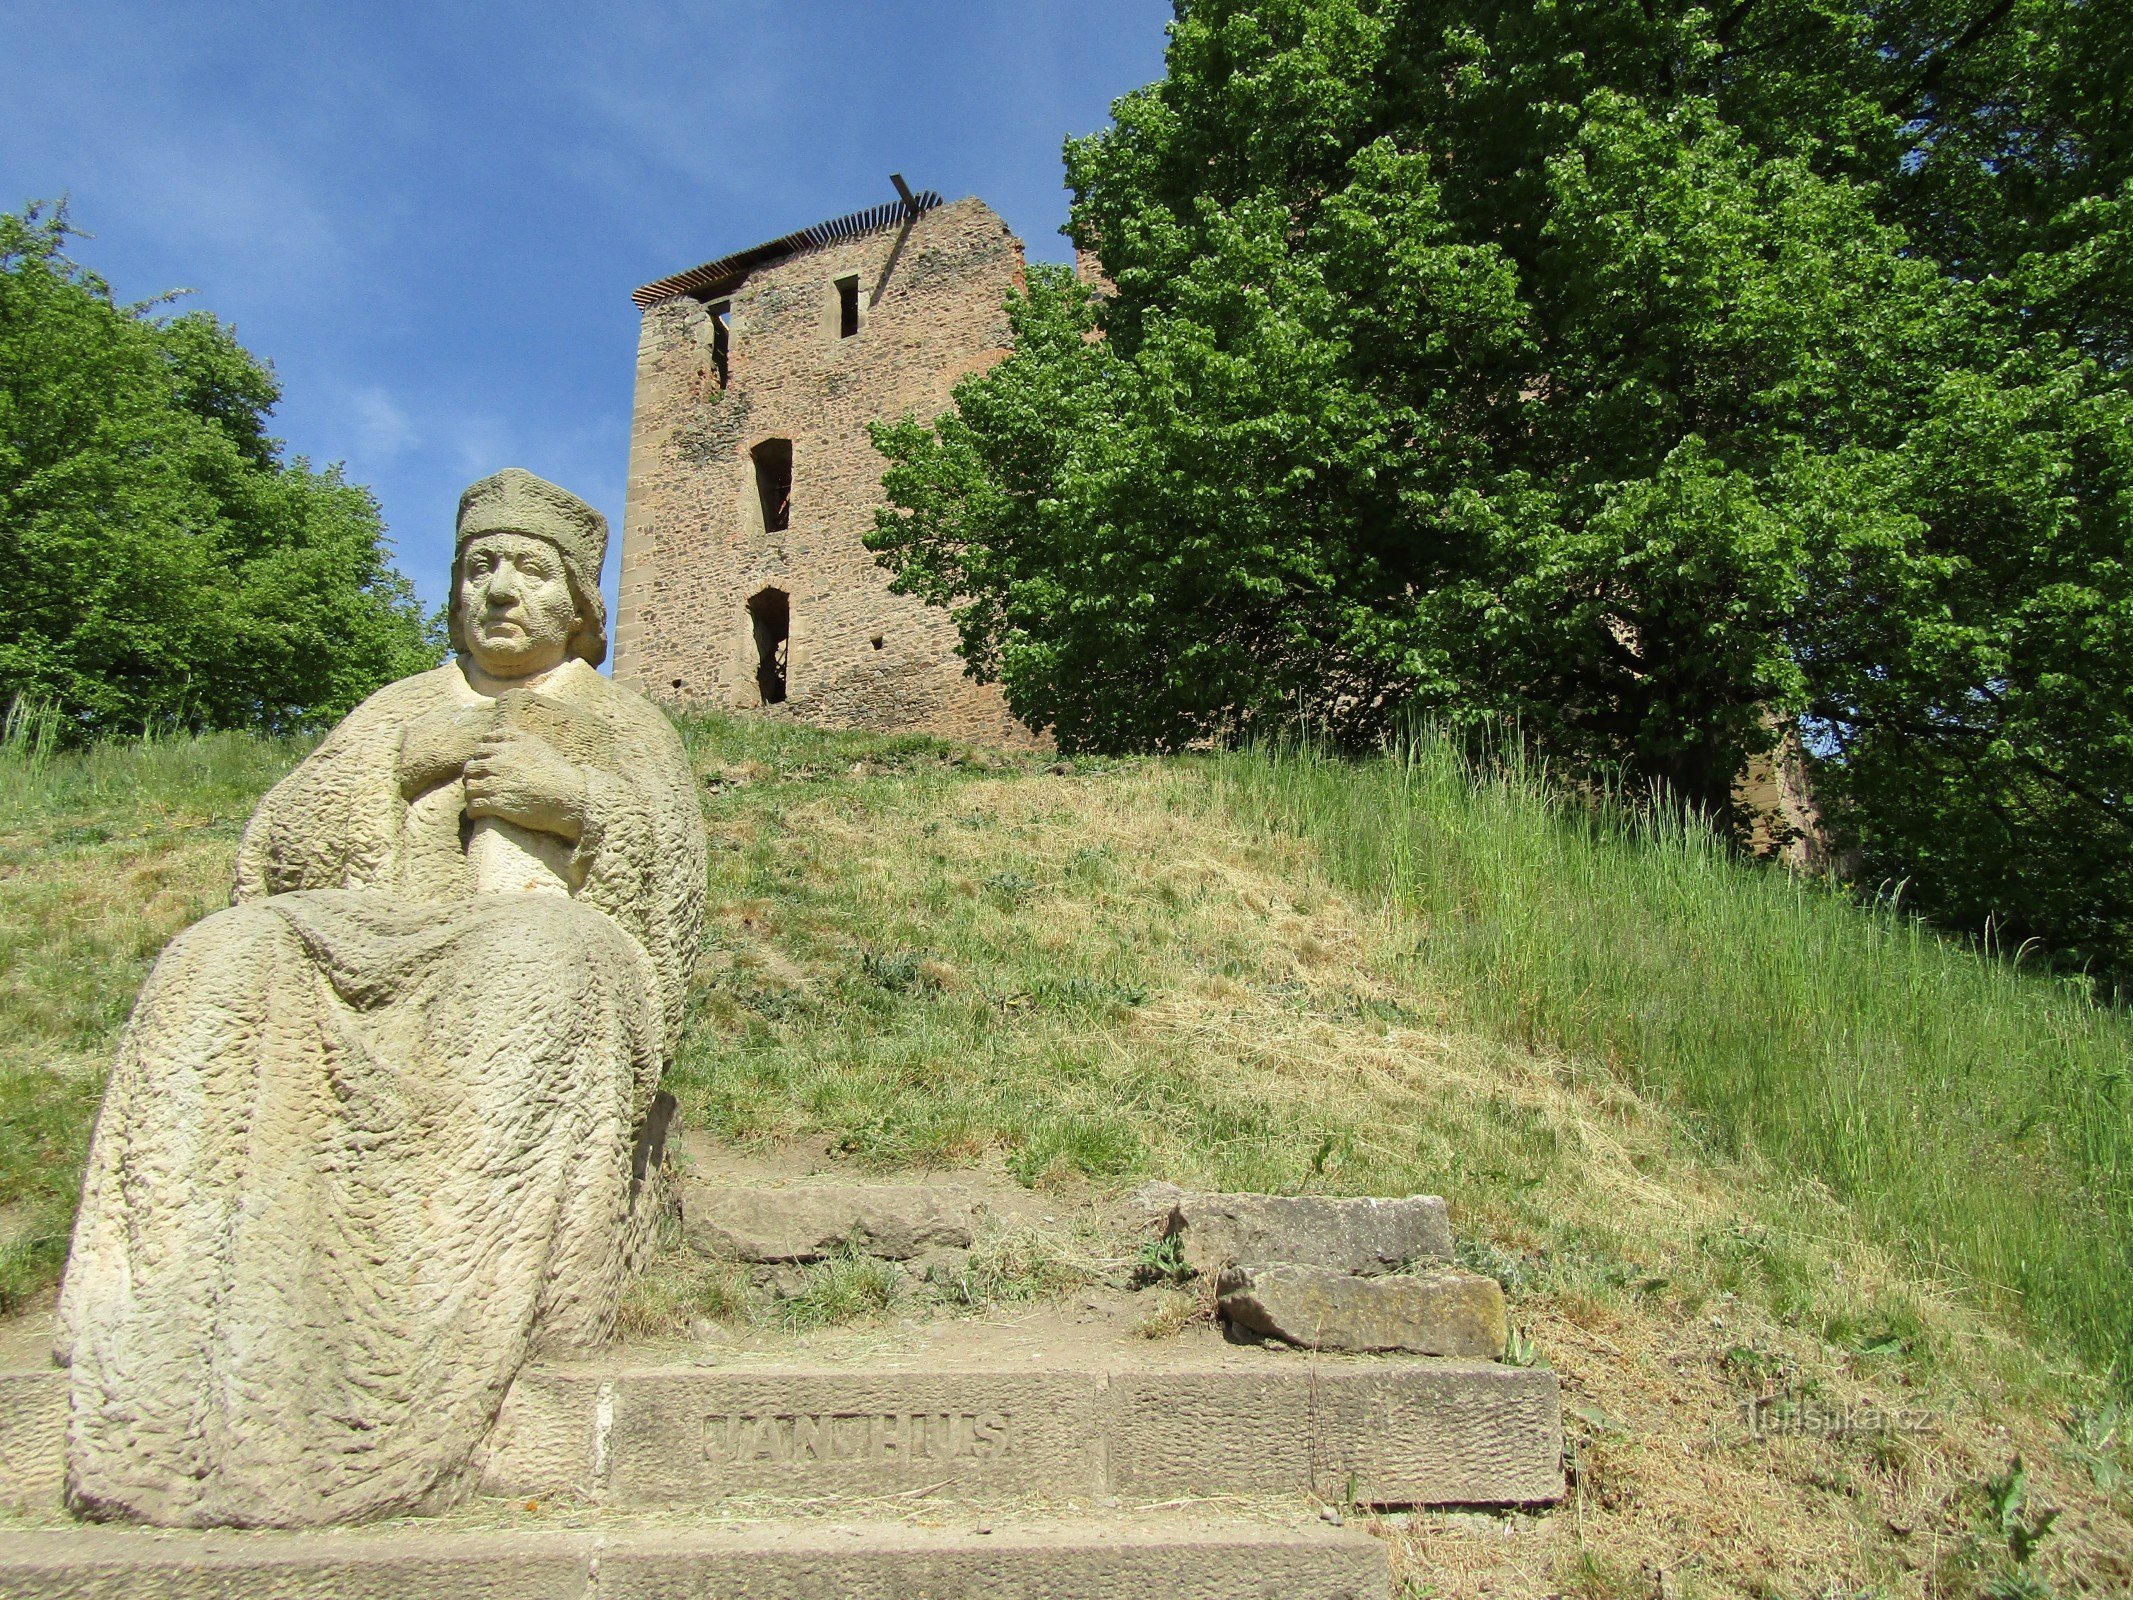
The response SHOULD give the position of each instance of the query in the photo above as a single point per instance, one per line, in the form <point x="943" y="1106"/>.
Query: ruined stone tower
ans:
<point x="752" y="481"/>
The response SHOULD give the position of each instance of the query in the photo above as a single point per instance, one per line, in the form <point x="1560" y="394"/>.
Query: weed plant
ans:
<point x="1975" y="1113"/>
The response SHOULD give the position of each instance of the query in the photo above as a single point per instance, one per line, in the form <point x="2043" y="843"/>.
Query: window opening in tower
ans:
<point x="722" y="340"/>
<point x="770" y="615"/>
<point x="773" y="483"/>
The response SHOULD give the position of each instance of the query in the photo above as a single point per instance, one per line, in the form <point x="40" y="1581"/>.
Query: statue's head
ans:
<point x="526" y="576"/>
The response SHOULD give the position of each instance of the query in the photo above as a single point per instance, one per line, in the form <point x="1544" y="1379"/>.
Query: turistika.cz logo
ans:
<point x="1797" y="1413"/>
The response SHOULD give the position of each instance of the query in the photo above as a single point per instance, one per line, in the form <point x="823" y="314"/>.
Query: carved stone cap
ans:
<point x="515" y="501"/>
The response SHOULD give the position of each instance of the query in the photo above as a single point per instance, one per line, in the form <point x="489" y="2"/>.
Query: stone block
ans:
<point x="1342" y="1235"/>
<point x="1401" y="1430"/>
<point x="700" y="1437"/>
<point x="806" y="1222"/>
<point x="1446" y="1313"/>
<point x="115" y="1564"/>
<point x="1171" y="1560"/>
<point x="551" y="1436"/>
<point x="1407" y="1431"/>
<point x="1395" y="1432"/>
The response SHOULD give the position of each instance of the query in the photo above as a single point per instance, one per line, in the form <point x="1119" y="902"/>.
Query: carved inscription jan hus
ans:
<point x="737" y="1439"/>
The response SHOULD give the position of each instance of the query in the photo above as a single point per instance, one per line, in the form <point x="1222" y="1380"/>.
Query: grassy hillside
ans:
<point x="1979" y="1117"/>
<point x="1724" y="1138"/>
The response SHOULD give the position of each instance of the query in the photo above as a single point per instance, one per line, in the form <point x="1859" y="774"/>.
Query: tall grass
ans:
<point x="142" y="780"/>
<point x="1976" y="1115"/>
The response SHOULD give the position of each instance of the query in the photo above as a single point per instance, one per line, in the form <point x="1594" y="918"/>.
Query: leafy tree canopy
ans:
<point x="161" y="565"/>
<point x="1653" y="375"/>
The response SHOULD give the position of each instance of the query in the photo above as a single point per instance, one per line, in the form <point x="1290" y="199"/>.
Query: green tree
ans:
<point x="1651" y="375"/>
<point x="160" y="563"/>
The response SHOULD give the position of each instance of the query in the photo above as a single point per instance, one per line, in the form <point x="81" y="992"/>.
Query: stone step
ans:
<point x="33" y="1437"/>
<point x="1441" y="1313"/>
<point x="1387" y="1431"/>
<point x="1144" y="1559"/>
<point x="1390" y="1432"/>
<point x="1214" y="1231"/>
<point x="807" y="1221"/>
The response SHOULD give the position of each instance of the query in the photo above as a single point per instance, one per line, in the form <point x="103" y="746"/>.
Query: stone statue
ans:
<point x="368" y="1142"/>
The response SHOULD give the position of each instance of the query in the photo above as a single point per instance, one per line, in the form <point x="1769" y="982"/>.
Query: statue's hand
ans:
<point x="519" y="777"/>
<point x="434" y="749"/>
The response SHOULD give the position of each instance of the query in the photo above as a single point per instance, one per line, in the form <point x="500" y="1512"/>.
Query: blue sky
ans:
<point x="430" y="217"/>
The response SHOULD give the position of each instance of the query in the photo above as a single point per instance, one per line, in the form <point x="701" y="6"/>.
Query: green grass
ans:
<point x="1974" y="1114"/>
<point x="105" y="853"/>
<point x="1099" y="973"/>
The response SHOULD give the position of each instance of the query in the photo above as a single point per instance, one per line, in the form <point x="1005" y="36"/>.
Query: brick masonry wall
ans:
<point x="694" y="546"/>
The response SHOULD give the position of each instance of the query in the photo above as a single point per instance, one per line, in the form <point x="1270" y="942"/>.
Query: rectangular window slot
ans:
<point x="721" y="339"/>
<point x="770" y="619"/>
<point x="773" y="483"/>
<point x="848" y="306"/>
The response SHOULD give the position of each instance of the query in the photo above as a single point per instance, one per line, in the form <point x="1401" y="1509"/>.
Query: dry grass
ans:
<point x="1674" y="1493"/>
<point x="1176" y="1310"/>
<point x="678" y="1289"/>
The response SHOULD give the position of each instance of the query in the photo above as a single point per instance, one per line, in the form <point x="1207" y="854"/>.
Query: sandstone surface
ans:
<point x="736" y="595"/>
<point x="1445" y="1313"/>
<point x="1343" y="1235"/>
<point x="806" y="1222"/>
<point x="1172" y="1558"/>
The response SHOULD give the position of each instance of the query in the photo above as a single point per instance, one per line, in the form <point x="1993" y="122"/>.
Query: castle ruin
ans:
<point x="745" y="582"/>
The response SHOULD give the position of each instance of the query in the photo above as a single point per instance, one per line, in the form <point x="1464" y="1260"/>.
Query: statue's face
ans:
<point x="515" y="609"/>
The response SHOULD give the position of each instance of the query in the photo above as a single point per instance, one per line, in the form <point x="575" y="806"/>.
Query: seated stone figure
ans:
<point x="368" y="1142"/>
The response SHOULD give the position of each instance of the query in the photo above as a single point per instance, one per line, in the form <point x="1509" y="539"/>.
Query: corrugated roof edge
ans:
<point x="706" y="280"/>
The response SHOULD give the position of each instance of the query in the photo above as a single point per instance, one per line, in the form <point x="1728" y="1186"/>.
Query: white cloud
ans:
<point x="383" y="429"/>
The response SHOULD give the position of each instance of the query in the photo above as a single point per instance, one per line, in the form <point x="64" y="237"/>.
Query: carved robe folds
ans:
<point x="368" y="1141"/>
